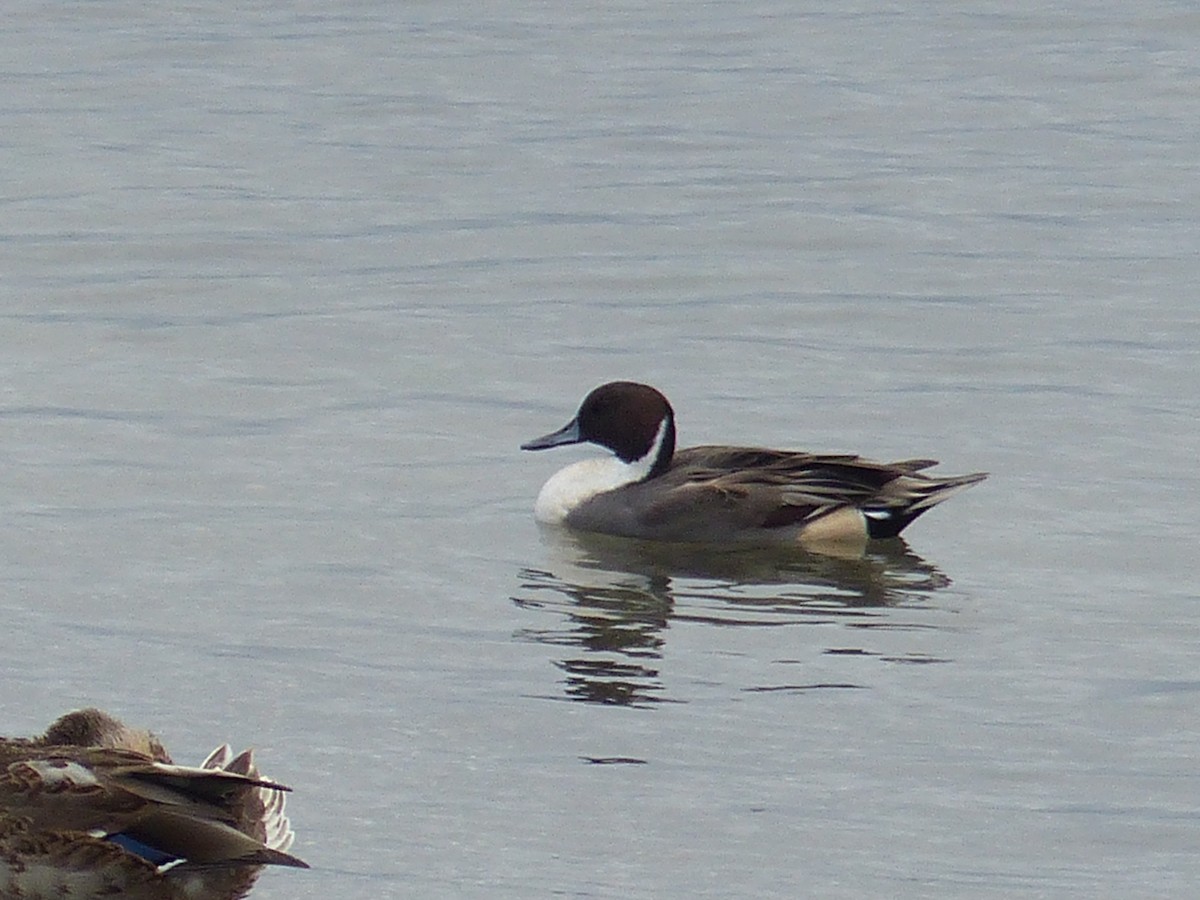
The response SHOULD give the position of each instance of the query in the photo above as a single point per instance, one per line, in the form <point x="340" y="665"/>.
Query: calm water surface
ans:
<point x="284" y="288"/>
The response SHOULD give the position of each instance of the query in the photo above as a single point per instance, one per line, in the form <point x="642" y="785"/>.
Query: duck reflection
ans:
<point x="616" y="598"/>
<point x="618" y="625"/>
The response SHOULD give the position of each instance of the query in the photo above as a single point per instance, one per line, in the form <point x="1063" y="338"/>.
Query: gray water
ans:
<point x="285" y="285"/>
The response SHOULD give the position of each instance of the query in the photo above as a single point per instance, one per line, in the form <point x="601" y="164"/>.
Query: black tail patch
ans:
<point x="887" y="522"/>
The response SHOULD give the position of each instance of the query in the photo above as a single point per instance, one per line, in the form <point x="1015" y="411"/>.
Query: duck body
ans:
<point x="723" y="494"/>
<point x="95" y="809"/>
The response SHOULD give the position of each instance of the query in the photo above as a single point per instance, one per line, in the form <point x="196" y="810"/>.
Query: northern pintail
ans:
<point x="96" y="809"/>
<point x="722" y="494"/>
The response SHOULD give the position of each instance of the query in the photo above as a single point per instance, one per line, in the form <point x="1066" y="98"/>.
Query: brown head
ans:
<point x="92" y="727"/>
<point x="633" y="420"/>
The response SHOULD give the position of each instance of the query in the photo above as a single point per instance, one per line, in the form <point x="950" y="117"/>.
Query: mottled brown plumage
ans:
<point x="93" y="808"/>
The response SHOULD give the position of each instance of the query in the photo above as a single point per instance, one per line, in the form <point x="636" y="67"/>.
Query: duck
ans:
<point x="649" y="490"/>
<point x="94" y="808"/>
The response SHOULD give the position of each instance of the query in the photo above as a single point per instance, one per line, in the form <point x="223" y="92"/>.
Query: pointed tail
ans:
<point x="906" y="498"/>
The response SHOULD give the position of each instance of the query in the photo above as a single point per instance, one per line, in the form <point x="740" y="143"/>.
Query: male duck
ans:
<point x="722" y="494"/>
<point x="96" y="809"/>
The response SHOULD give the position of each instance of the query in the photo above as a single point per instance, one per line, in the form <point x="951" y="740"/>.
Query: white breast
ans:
<point x="570" y="486"/>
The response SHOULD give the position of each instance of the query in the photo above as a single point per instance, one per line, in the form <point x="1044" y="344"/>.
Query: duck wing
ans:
<point x="186" y="812"/>
<point x="773" y="488"/>
<point x="750" y="488"/>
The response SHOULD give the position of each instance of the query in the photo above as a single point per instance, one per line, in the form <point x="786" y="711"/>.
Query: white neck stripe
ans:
<point x="640" y="468"/>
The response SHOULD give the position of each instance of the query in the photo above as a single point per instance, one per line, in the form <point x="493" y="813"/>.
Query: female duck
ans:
<point x="96" y="809"/>
<point x="722" y="494"/>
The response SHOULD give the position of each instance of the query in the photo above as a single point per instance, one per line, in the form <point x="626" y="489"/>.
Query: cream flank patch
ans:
<point x="842" y="526"/>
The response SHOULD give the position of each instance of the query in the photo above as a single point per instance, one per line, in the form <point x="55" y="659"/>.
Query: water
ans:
<point x="284" y="288"/>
